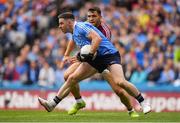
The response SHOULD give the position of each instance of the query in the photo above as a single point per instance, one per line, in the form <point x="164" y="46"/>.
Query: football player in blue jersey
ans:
<point x="107" y="57"/>
<point x="94" y="17"/>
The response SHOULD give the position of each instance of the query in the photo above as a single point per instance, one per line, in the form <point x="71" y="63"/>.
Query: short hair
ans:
<point x="66" y="15"/>
<point x="95" y="9"/>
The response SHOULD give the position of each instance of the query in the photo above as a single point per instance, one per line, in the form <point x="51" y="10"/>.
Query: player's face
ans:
<point x="94" y="18"/>
<point x="63" y="25"/>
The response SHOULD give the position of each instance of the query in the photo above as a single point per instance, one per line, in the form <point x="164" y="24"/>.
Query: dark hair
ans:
<point x="95" y="9"/>
<point x="66" y="15"/>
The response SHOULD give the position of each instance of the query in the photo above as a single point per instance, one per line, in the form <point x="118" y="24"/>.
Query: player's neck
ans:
<point x="72" y="26"/>
<point x="98" y="24"/>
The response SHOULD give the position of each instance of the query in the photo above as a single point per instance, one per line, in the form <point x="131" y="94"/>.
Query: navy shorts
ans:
<point x="100" y="63"/>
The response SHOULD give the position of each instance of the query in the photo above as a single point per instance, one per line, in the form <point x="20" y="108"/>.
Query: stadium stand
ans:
<point x="147" y="35"/>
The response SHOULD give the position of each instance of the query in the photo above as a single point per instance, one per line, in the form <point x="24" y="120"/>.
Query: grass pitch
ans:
<point x="84" y="116"/>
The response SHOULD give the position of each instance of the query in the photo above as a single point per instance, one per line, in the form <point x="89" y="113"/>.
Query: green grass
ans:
<point x="84" y="116"/>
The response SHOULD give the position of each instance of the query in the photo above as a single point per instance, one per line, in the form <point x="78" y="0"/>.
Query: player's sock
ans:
<point x="130" y="110"/>
<point x="140" y="98"/>
<point x="79" y="100"/>
<point x="55" y="101"/>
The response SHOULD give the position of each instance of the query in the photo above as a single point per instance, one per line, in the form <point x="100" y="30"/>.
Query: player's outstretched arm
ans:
<point x="69" y="49"/>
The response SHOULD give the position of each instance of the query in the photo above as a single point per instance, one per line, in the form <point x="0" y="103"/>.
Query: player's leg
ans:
<point x="118" y="76"/>
<point x="82" y="72"/>
<point x="75" y="90"/>
<point x="123" y="95"/>
<point x="118" y="90"/>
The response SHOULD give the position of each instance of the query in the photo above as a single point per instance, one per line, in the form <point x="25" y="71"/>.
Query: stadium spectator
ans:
<point x="32" y="73"/>
<point x="177" y="53"/>
<point x="59" y="73"/>
<point x="176" y="83"/>
<point x="154" y="73"/>
<point x="21" y="68"/>
<point x="139" y="75"/>
<point x="46" y="75"/>
<point x="146" y="29"/>
<point x="10" y="72"/>
<point x="33" y="54"/>
<point x="167" y="75"/>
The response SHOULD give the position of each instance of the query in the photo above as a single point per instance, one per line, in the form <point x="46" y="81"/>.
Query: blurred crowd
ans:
<point x="146" y="33"/>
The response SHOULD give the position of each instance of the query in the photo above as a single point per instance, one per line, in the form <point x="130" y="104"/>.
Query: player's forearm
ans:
<point x="96" y="40"/>
<point x="69" y="48"/>
<point x="95" y="44"/>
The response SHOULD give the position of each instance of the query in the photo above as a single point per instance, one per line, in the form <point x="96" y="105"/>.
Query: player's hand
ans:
<point x="78" y="56"/>
<point x="73" y="59"/>
<point x="85" y="58"/>
<point x="65" y="60"/>
<point x="88" y="57"/>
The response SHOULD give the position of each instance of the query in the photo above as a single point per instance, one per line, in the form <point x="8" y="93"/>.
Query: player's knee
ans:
<point x="72" y="78"/>
<point x="118" y="90"/>
<point x="66" y="76"/>
<point x="121" y="82"/>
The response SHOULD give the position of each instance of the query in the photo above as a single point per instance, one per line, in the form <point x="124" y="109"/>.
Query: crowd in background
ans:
<point x="146" y="33"/>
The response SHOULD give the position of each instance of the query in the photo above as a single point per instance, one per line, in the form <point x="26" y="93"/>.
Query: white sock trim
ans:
<point x="79" y="100"/>
<point x="52" y="103"/>
<point x="131" y="110"/>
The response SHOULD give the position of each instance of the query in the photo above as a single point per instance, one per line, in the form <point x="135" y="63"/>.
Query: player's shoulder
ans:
<point x="105" y="26"/>
<point x="83" y="23"/>
<point x="83" y="26"/>
<point x="80" y="25"/>
<point x="105" y="29"/>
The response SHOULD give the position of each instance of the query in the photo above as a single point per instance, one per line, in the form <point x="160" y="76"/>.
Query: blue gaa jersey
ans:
<point x="80" y="37"/>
